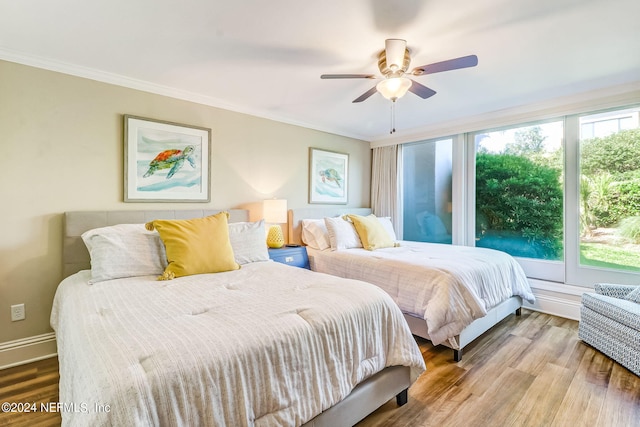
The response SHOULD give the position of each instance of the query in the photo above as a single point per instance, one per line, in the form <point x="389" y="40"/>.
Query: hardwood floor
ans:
<point x="527" y="371"/>
<point x="36" y="383"/>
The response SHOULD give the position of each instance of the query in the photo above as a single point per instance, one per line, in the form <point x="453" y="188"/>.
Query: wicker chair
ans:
<point x="610" y="322"/>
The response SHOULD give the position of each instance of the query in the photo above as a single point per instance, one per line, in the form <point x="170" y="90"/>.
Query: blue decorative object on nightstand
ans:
<point x="294" y="256"/>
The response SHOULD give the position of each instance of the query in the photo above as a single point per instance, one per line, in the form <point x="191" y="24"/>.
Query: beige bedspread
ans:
<point x="265" y="345"/>
<point x="448" y="286"/>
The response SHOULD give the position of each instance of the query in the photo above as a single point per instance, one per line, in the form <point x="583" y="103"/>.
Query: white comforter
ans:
<point x="265" y="345"/>
<point x="449" y="286"/>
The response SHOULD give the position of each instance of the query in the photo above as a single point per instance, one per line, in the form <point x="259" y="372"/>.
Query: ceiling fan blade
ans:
<point x="347" y="76"/>
<point x="421" y="90"/>
<point x="451" y="64"/>
<point x="365" y="95"/>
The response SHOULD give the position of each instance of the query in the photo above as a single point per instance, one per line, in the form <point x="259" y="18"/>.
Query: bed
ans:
<point x="448" y="294"/>
<point x="265" y="344"/>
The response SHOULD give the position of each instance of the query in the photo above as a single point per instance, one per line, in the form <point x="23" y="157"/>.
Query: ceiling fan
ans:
<point x="393" y="63"/>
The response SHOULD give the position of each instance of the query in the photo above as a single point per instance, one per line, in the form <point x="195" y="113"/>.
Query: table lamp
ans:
<point x="275" y="213"/>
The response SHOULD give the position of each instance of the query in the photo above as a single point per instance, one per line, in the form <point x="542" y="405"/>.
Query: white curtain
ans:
<point x="384" y="184"/>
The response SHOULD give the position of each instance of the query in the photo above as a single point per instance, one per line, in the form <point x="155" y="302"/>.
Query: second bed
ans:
<point x="448" y="294"/>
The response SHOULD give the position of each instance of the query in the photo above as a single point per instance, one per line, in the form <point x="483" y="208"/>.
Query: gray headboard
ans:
<point x="297" y="215"/>
<point x="75" y="256"/>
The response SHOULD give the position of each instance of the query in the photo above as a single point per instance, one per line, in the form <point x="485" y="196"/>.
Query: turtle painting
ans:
<point x="331" y="175"/>
<point x="171" y="159"/>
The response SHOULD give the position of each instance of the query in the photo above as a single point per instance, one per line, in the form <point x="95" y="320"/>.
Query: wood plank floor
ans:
<point x="37" y="383"/>
<point x="527" y="371"/>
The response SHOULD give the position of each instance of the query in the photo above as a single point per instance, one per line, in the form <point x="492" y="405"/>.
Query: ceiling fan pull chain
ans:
<point x="393" y="117"/>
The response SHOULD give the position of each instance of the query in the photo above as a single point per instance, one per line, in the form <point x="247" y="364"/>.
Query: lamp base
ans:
<point x="275" y="239"/>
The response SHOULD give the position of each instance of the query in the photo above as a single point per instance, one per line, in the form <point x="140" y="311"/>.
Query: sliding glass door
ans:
<point x="426" y="191"/>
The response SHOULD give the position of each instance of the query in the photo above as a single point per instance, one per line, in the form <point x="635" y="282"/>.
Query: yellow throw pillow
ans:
<point x="371" y="232"/>
<point x="196" y="246"/>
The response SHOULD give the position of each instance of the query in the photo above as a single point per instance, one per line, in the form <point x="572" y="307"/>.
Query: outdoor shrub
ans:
<point x="616" y="153"/>
<point x="518" y="196"/>
<point x="621" y="201"/>
<point x="613" y="175"/>
<point x="630" y="228"/>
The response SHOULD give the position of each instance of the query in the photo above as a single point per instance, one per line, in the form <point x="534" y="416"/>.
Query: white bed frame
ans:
<point x="365" y="398"/>
<point x="417" y="324"/>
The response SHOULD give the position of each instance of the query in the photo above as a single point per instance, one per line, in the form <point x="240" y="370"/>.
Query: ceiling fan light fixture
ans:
<point x="394" y="88"/>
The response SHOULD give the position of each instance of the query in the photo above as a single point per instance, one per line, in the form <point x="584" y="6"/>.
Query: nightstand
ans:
<point x="296" y="257"/>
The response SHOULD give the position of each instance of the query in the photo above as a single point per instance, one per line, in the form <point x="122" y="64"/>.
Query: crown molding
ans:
<point x="171" y="92"/>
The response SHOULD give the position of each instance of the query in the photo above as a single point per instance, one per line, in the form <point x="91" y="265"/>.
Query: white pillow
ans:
<point x="124" y="250"/>
<point x="388" y="226"/>
<point x="315" y="234"/>
<point x="342" y="234"/>
<point x="249" y="242"/>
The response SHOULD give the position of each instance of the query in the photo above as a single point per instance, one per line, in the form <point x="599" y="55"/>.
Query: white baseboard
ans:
<point x="27" y="350"/>
<point x="556" y="306"/>
<point x="557" y="299"/>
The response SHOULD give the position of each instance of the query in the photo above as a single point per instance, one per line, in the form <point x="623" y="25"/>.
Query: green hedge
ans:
<point x="521" y="198"/>
<point x="615" y="154"/>
<point x="622" y="200"/>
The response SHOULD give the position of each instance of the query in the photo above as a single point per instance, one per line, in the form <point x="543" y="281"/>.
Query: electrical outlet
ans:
<point x="17" y="312"/>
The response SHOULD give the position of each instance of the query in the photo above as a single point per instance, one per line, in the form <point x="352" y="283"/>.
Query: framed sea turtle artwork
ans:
<point x="165" y="161"/>
<point x="328" y="177"/>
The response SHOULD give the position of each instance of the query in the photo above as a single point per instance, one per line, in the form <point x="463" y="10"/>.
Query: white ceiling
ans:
<point x="265" y="57"/>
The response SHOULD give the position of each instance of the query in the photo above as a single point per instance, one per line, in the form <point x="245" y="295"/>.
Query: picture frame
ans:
<point x="328" y="177"/>
<point x="166" y="161"/>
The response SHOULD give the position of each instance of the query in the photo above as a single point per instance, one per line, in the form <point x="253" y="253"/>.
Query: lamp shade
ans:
<point x="394" y="87"/>
<point x="275" y="211"/>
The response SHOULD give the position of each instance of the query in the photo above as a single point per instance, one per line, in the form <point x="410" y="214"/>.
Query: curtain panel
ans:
<point x="384" y="183"/>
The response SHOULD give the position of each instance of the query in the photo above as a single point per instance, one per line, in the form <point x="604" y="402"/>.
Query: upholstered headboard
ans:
<point x="297" y="215"/>
<point x="75" y="256"/>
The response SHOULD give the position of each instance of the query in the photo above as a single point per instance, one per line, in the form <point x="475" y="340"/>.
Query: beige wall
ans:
<point x="61" y="142"/>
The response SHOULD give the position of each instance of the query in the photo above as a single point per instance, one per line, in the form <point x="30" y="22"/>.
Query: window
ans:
<point x="426" y="194"/>
<point x="610" y="190"/>
<point x="562" y="195"/>
<point x="519" y="193"/>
